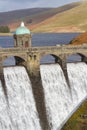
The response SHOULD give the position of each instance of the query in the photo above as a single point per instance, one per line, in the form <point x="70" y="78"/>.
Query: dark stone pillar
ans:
<point x="19" y="61"/>
<point x="84" y="59"/>
<point x="38" y="92"/>
<point x="63" y="65"/>
<point x="57" y="59"/>
<point x="2" y="79"/>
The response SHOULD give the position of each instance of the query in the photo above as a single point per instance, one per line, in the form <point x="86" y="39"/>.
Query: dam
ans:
<point x="40" y="97"/>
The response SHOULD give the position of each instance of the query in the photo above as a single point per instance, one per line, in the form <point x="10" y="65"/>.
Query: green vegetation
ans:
<point x="4" y="29"/>
<point x="78" y="121"/>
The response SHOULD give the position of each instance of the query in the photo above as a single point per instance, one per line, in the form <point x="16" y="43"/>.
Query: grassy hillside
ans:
<point x="79" y="119"/>
<point x="12" y="16"/>
<point x="74" y="19"/>
<point x="68" y="18"/>
<point x="32" y="17"/>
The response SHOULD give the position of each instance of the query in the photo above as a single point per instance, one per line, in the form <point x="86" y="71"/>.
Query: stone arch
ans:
<point x="16" y="59"/>
<point x="19" y="60"/>
<point x="51" y="58"/>
<point x="76" y="57"/>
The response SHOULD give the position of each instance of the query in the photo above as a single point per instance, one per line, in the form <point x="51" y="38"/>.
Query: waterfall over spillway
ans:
<point x="19" y="112"/>
<point x="61" y="101"/>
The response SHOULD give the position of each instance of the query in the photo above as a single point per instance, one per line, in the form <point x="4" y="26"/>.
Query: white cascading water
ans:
<point x="19" y="112"/>
<point x="61" y="101"/>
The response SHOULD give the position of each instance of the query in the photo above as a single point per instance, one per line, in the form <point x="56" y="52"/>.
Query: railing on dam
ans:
<point x="44" y="48"/>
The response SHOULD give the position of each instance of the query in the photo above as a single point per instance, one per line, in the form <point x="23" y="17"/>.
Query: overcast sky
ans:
<point x="7" y="5"/>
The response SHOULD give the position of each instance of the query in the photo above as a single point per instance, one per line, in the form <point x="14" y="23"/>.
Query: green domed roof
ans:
<point x="22" y="30"/>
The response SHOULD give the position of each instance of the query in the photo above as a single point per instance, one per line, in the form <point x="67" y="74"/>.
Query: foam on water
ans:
<point x="61" y="101"/>
<point x="20" y="113"/>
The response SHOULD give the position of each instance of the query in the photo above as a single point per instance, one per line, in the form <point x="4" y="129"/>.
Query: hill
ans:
<point x="78" y="120"/>
<point x="12" y="16"/>
<point x="72" y="20"/>
<point x="81" y="39"/>
<point x="32" y="17"/>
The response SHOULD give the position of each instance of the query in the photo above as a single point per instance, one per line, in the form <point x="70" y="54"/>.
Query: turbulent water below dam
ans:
<point x="19" y="111"/>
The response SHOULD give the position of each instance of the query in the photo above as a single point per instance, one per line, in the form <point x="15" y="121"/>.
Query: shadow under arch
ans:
<point x="13" y="60"/>
<point x="49" y="58"/>
<point x="76" y="57"/>
<point x="20" y="61"/>
<point x="78" y="117"/>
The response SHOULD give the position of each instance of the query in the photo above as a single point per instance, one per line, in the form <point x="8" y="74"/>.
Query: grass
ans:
<point x="76" y="122"/>
<point x="76" y="16"/>
<point x="6" y="34"/>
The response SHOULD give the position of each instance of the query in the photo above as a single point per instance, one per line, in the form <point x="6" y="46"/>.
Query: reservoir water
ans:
<point x="44" y="39"/>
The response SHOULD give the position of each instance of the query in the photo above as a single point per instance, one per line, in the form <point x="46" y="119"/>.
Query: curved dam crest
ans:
<point x="20" y="112"/>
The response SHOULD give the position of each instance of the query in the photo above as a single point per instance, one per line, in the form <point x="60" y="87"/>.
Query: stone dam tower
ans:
<point x="22" y="36"/>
